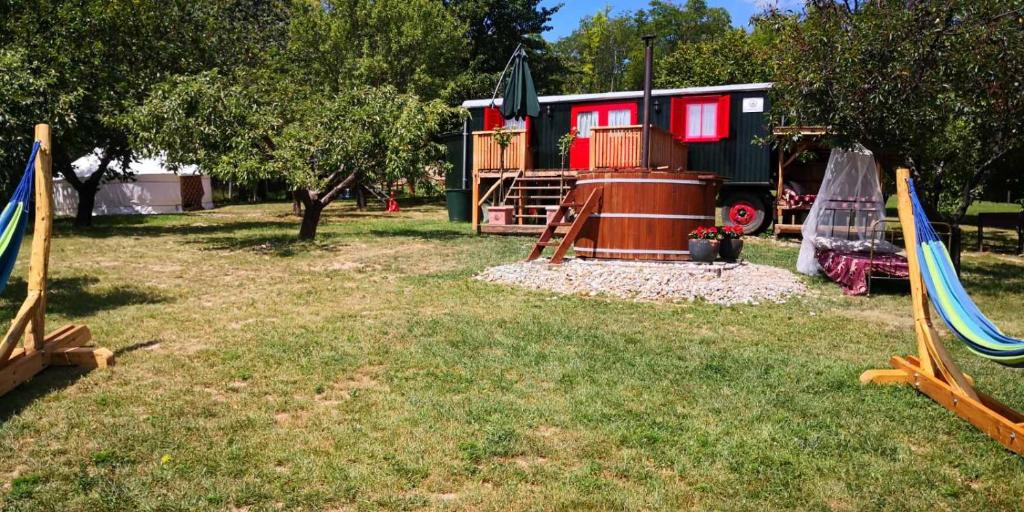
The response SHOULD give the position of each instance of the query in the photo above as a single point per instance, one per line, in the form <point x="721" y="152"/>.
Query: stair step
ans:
<point x="531" y="216"/>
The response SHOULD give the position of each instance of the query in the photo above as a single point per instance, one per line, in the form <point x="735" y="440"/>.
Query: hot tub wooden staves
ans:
<point x="645" y="215"/>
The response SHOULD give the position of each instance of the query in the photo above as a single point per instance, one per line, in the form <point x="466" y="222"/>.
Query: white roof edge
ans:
<point x="622" y="95"/>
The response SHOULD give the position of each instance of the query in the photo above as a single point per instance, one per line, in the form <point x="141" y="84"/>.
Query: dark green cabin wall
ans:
<point x="737" y="158"/>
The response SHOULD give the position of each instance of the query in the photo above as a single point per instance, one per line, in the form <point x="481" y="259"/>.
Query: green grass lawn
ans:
<point x="369" y="371"/>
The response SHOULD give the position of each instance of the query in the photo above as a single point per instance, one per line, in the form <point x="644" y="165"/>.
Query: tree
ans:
<point x="935" y="86"/>
<point x="598" y="53"/>
<point x="493" y="29"/>
<point x="95" y="59"/>
<point x="606" y="52"/>
<point x="736" y="57"/>
<point x="255" y="125"/>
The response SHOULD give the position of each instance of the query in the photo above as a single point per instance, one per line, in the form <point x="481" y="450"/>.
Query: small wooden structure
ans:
<point x="1014" y="221"/>
<point x="932" y="371"/>
<point x="789" y="215"/>
<point x="645" y="215"/>
<point x="619" y="147"/>
<point x="65" y="346"/>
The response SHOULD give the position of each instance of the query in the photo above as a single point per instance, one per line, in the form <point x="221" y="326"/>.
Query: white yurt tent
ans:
<point x="154" y="188"/>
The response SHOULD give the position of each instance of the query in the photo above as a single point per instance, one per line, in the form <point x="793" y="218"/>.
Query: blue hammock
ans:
<point x="958" y="311"/>
<point x="14" y="219"/>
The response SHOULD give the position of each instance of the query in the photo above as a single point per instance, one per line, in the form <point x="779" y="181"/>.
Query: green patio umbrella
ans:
<point x="520" y="98"/>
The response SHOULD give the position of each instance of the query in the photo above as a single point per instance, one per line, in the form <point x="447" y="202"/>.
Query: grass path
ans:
<point x="368" y="371"/>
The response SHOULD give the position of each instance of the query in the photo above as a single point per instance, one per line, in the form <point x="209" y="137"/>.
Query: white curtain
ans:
<point x="622" y="117"/>
<point x="584" y="122"/>
<point x="848" y="204"/>
<point x="515" y="124"/>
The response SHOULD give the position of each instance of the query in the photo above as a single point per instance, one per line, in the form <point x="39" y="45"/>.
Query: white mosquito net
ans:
<point x="844" y="214"/>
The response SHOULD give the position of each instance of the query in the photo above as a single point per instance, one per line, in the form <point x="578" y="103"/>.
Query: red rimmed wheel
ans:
<point x="744" y="209"/>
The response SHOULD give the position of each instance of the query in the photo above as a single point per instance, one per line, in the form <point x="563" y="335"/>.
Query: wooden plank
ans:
<point x="999" y="427"/>
<point x="39" y="263"/>
<point x="85" y="357"/>
<point x="25" y="315"/>
<point x="69" y="336"/>
<point x="933" y="354"/>
<point x="21" y="370"/>
<point x="577" y="224"/>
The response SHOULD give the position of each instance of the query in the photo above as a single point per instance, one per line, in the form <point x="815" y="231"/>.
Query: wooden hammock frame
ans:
<point x="933" y="372"/>
<point x="65" y="346"/>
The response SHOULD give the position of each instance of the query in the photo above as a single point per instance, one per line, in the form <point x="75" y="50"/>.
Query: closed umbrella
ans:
<point x="520" y="98"/>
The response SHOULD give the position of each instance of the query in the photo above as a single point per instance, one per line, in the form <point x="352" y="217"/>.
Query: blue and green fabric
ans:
<point x="958" y="311"/>
<point x="14" y="219"/>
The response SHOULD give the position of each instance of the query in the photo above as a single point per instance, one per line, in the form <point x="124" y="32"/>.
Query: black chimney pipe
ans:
<point x="645" y="158"/>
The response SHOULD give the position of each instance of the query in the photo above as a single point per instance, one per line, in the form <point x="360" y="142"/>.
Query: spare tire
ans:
<point x="747" y="209"/>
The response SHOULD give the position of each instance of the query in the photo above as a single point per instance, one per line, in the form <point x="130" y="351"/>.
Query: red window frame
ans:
<point x="678" y="118"/>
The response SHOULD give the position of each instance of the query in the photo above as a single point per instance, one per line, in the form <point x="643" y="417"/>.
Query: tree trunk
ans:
<point x="360" y="198"/>
<point x="86" y="203"/>
<point x="310" y="220"/>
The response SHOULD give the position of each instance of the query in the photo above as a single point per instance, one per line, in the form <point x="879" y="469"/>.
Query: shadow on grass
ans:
<point x="50" y="380"/>
<point x="994" y="277"/>
<point x="141" y="228"/>
<point x="274" y="245"/>
<point x="70" y="296"/>
<point x="425" y="234"/>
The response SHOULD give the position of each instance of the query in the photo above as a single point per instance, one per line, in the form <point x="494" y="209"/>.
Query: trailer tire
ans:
<point x="746" y="209"/>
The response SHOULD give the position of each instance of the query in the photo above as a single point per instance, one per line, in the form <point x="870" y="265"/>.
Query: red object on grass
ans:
<point x="392" y="204"/>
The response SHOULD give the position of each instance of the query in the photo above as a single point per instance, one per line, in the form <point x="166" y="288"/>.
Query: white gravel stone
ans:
<point x="720" y="283"/>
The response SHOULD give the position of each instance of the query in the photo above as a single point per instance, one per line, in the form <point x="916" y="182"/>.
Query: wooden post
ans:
<point x="65" y="346"/>
<point x="38" y="267"/>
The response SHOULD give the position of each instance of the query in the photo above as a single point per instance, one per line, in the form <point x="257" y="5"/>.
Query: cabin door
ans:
<point x="585" y="117"/>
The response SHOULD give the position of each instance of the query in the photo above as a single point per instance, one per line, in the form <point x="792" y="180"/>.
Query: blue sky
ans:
<point x="569" y="16"/>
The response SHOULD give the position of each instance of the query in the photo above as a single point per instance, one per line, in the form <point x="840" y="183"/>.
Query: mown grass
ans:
<point x="368" y="371"/>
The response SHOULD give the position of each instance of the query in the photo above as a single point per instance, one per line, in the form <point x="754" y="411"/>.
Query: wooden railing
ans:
<point x="619" y="147"/>
<point x="487" y="152"/>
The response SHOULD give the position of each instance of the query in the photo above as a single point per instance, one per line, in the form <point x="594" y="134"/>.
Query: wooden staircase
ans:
<point x="532" y="195"/>
<point x="560" y="219"/>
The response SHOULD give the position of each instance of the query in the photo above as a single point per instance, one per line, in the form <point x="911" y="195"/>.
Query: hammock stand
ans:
<point x="932" y="371"/>
<point x="65" y="346"/>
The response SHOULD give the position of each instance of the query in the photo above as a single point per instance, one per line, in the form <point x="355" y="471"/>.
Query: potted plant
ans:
<point x="704" y="243"/>
<point x="732" y="242"/>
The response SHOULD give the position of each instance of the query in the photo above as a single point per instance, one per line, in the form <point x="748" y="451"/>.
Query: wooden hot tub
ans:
<point x="645" y="215"/>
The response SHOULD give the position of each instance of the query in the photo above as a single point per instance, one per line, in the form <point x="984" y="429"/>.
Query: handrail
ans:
<point x="613" y="147"/>
<point x="487" y="153"/>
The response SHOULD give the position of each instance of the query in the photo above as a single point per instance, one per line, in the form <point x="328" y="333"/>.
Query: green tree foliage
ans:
<point x="493" y="30"/>
<point x="935" y="86"/>
<point x="335" y="109"/>
<point x="605" y="53"/>
<point x="91" y="60"/>
<point x="735" y="57"/>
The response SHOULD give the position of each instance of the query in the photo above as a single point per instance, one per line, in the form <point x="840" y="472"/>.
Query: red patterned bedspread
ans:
<point x="850" y="269"/>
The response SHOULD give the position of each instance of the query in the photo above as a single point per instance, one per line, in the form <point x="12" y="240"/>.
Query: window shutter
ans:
<point x="677" y="118"/>
<point x="492" y="118"/>
<point x="723" y="116"/>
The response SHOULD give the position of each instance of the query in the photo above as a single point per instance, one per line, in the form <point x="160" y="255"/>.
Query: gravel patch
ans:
<point x="728" y="283"/>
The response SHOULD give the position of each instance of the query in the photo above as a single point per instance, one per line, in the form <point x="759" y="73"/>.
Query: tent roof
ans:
<point x="88" y="164"/>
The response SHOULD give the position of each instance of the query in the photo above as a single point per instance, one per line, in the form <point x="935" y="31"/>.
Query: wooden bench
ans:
<point x="1002" y="220"/>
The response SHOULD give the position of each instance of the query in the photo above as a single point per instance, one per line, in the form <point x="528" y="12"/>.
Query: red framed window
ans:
<point x="700" y="118"/>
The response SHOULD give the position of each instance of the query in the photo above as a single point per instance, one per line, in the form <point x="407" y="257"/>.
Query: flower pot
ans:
<point x="551" y="211"/>
<point x="703" y="251"/>
<point x="730" y="249"/>
<point x="501" y="215"/>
